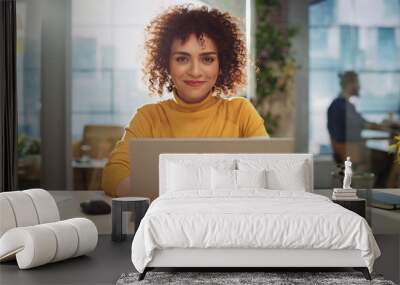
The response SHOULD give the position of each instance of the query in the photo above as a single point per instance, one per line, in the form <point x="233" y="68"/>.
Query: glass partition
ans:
<point x="355" y="99"/>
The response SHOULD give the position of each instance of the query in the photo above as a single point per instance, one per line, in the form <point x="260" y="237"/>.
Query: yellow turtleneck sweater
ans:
<point x="173" y="118"/>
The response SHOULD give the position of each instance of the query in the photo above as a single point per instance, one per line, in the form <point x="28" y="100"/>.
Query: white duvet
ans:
<point x="250" y="219"/>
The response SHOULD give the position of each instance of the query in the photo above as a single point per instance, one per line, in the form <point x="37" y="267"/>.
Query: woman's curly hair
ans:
<point x="183" y="20"/>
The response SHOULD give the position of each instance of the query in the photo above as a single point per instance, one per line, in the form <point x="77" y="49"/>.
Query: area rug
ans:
<point x="273" y="278"/>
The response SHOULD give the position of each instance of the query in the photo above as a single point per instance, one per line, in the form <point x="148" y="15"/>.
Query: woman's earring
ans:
<point x="170" y="86"/>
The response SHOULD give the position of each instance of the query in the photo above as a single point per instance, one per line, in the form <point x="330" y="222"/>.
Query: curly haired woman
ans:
<point x="199" y="55"/>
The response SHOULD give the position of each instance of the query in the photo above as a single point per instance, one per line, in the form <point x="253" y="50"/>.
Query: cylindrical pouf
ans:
<point x="37" y="245"/>
<point x="87" y="234"/>
<point x="23" y="208"/>
<point x="67" y="239"/>
<point x="45" y="205"/>
<point x="7" y="218"/>
<point x="34" y="245"/>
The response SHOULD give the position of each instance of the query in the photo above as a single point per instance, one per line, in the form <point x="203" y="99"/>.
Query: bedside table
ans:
<point x="355" y="205"/>
<point x="137" y="205"/>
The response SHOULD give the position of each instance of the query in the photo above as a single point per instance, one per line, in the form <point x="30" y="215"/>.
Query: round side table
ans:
<point x="137" y="205"/>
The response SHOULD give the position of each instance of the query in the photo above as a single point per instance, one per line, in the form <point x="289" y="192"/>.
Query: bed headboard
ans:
<point x="287" y="162"/>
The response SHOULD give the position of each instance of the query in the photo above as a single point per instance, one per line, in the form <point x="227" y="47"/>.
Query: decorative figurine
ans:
<point x="346" y="192"/>
<point x="347" y="174"/>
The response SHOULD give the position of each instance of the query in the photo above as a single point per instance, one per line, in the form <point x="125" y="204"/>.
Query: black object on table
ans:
<point x="95" y="207"/>
<point x="356" y="205"/>
<point x="137" y="205"/>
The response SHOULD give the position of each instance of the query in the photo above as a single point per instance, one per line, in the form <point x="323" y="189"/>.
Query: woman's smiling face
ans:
<point x="193" y="67"/>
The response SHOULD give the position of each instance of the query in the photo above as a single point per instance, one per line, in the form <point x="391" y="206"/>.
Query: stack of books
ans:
<point x="344" y="194"/>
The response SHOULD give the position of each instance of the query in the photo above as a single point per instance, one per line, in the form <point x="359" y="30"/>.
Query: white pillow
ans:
<point x="236" y="179"/>
<point x="285" y="174"/>
<point x="223" y="179"/>
<point x="251" y="178"/>
<point x="181" y="177"/>
<point x="291" y="181"/>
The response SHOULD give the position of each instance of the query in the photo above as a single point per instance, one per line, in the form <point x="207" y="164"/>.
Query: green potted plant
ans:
<point x="395" y="147"/>
<point x="29" y="161"/>
<point x="275" y="69"/>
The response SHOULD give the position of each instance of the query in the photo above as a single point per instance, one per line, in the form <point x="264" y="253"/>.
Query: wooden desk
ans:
<point x="91" y="164"/>
<point x="378" y="144"/>
<point x="89" y="171"/>
<point x="374" y="134"/>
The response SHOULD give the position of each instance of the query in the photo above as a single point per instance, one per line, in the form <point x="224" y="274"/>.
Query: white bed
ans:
<point x="247" y="210"/>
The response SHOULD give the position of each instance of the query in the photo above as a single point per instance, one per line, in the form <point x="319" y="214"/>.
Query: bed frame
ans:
<point x="242" y="259"/>
<point x="250" y="258"/>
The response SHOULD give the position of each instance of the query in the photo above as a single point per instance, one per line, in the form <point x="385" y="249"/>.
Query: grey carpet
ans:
<point x="229" y="278"/>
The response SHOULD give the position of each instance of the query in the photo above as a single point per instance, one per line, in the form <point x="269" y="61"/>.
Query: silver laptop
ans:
<point x="144" y="153"/>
